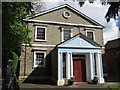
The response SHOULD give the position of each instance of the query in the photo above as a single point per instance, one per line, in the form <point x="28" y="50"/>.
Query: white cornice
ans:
<point x="72" y="8"/>
<point x="78" y="47"/>
<point x="62" y="23"/>
<point x="40" y="45"/>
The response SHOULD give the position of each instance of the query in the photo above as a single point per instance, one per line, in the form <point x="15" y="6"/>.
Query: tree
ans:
<point x="113" y="10"/>
<point x="14" y="32"/>
<point x="38" y="6"/>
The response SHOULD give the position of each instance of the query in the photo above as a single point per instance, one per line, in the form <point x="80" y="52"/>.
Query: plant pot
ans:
<point x="70" y="82"/>
<point x="95" y="81"/>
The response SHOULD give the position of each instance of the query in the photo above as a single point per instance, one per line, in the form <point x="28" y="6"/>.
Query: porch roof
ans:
<point x="79" y="41"/>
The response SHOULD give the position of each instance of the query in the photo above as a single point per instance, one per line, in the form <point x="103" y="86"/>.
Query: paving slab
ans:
<point x="76" y="85"/>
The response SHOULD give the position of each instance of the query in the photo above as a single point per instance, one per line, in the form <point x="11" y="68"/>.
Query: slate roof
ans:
<point x="113" y="44"/>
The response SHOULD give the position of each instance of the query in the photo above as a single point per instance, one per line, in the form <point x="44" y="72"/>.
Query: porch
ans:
<point x="67" y="67"/>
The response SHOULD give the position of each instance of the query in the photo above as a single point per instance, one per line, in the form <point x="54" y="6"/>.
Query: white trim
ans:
<point x="62" y="33"/>
<point x="92" y="32"/>
<point x="40" y="40"/>
<point x="79" y="47"/>
<point x="44" y="49"/>
<point x="36" y="33"/>
<point x="34" y="65"/>
<point x="40" y="45"/>
<point x="47" y="11"/>
<point x="66" y="5"/>
<point x="62" y="23"/>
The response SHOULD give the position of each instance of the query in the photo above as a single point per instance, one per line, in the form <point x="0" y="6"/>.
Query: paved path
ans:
<point x="76" y="85"/>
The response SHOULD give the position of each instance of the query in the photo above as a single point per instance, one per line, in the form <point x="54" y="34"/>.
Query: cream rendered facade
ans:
<point x="54" y="22"/>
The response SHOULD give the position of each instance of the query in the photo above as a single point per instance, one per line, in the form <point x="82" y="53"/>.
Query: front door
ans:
<point x="79" y="69"/>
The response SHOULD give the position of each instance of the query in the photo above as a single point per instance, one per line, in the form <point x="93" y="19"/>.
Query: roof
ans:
<point x="113" y="44"/>
<point x="82" y="36"/>
<point x="70" y="7"/>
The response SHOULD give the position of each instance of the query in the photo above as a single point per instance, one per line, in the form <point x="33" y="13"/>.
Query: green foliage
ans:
<point x="114" y="87"/>
<point x="14" y="63"/>
<point x="14" y="31"/>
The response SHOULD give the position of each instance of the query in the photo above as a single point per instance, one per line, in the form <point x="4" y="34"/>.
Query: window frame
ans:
<point x="34" y="53"/>
<point x="36" y="33"/>
<point x="62" y="33"/>
<point x="92" y="32"/>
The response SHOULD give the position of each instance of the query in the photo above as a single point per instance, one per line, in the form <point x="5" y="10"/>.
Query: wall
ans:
<point x="30" y="71"/>
<point x="54" y="65"/>
<point x="55" y="38"/>
<point x="110" y="61"/>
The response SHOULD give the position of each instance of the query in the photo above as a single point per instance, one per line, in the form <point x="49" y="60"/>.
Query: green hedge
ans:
<point x="14" y="63"/>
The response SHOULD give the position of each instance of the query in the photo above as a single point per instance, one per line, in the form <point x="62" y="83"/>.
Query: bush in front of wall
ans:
<point x="71" y="81"/>
<point x="14" y="63"/>
<point x="95" y="80"/>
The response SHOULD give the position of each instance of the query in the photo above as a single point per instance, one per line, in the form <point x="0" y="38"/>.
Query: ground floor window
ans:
<point x="39" y="58"/>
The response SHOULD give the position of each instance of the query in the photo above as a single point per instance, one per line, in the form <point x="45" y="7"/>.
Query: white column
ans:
<point x="71" y="64"/>
<point x="99" y="68"/>
<point x="68" y="61"/>
<point x="92" y="69"/>
<point x="60" y="81"/>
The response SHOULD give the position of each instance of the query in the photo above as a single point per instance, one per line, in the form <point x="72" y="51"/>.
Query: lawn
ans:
<point x="114" y="87"/>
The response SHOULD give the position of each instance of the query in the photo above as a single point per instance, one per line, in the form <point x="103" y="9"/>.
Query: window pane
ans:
<point x="90" y="35"/>
<point x="67" y="34"/>
<point x="41" y="33"/>
<point x="39" y="59"/>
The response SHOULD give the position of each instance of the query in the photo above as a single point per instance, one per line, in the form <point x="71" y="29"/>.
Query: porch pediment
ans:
<point x="79" y="41"/>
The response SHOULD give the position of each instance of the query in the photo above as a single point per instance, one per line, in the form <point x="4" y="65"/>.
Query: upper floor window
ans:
<point x="39" y="58"/>
<point x="66" y="33"/>
<point x="40" y="33"/>
<point x="90" y="34"/>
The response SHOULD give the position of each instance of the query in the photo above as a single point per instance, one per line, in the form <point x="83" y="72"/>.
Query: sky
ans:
<point x="96" y="11"/>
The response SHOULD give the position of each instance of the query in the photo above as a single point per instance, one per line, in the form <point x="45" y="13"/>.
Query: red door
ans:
<point x="79" y="70"/>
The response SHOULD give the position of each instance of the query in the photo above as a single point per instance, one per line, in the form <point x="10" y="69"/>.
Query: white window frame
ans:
<point x="36" y="33"/>
<point x="34" y="65"/>
<point x="92" y="32"/>
<point x="62" y="33"/>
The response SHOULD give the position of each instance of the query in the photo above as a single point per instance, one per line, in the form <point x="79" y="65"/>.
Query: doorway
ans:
<point x="79" y="68"/>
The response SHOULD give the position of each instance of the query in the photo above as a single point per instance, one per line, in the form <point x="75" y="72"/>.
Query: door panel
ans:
<point x="79" y="70"/>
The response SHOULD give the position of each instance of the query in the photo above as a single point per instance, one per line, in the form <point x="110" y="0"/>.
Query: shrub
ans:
<point x="14" y="63"/>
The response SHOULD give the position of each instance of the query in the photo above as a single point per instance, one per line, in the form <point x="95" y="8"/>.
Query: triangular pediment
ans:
<point x="79" y="41"/>
<point x="57" y="14"/>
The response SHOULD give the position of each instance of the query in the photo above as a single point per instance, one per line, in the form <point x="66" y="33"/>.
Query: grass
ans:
<point x="114" y="87"/>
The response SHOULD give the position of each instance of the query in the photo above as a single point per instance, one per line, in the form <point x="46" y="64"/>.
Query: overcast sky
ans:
<point x="94" y="10"/>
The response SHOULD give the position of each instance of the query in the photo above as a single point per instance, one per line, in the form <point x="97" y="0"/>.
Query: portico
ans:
<point x="92" y="58"/>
